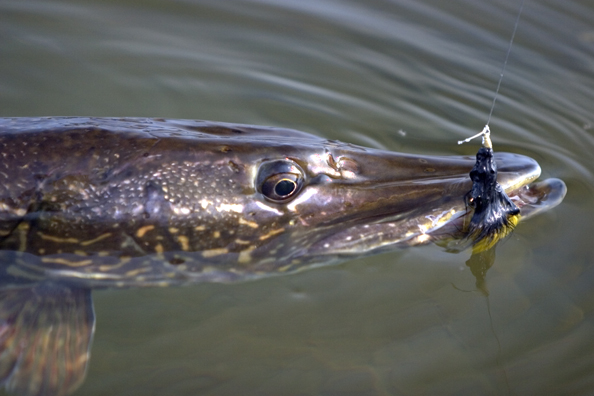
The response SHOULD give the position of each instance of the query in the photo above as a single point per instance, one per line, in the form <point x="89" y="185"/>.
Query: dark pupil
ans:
<point x="284" y="187"/>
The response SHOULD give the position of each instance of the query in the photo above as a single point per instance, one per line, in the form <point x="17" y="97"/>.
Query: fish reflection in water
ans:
<point x="99" y="202"/>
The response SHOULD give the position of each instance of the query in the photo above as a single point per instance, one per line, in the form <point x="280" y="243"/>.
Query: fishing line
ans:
<point x="494" y="214"/>
<point x="486" y="131"/>
<point x="511" y="41"/>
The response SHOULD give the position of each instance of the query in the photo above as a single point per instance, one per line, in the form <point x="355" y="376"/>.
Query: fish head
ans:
<point x="336" y="200"/>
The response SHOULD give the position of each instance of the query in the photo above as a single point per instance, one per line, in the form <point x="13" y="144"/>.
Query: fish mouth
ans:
<point x="531" y="199"/>
<point x="443" y="219"/>
<point x="538" y="197"/>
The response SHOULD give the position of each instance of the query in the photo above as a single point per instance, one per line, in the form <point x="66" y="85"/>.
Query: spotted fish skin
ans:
<point x="142" y="202"/>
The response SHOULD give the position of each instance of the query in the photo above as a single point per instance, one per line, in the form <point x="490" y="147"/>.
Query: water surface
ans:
<point x="412" y="76"/>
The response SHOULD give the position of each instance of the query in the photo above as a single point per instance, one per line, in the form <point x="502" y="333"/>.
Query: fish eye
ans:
<point x="280" y="187"/>
<point x="279" y="180"/>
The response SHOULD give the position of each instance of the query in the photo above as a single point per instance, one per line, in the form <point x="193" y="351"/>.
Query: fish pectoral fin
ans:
<point x="45" y="339"/>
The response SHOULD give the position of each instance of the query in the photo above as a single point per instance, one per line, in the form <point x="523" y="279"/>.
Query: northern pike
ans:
<point x="130" y="202"/>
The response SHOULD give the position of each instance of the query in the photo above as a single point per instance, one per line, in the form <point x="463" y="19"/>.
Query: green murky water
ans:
<point x="406" y="75"/>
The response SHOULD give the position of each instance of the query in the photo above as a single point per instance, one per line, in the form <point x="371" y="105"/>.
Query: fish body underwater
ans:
<point x="103" y="202"/>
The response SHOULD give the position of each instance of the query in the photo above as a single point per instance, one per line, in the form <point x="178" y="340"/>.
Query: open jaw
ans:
<point x="445" y="222"/>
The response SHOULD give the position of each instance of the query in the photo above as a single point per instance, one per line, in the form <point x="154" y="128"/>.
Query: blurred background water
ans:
<point x="405" y="75"/>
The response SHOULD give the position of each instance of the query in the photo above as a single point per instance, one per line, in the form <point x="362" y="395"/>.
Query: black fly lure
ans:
<point x="495" y="215"/>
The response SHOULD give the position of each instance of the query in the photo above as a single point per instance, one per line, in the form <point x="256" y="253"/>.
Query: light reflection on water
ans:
<point x="412" y="76"/>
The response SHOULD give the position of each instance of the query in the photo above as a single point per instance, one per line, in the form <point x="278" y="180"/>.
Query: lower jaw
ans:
<point x="532" y="199"/>
<point x="538" y="197"/>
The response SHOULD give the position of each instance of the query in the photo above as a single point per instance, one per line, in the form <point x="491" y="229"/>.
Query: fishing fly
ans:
<point x="495" y="215"/>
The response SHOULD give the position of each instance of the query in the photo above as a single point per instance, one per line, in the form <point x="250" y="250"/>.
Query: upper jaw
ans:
<point x="515" y="171"/>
